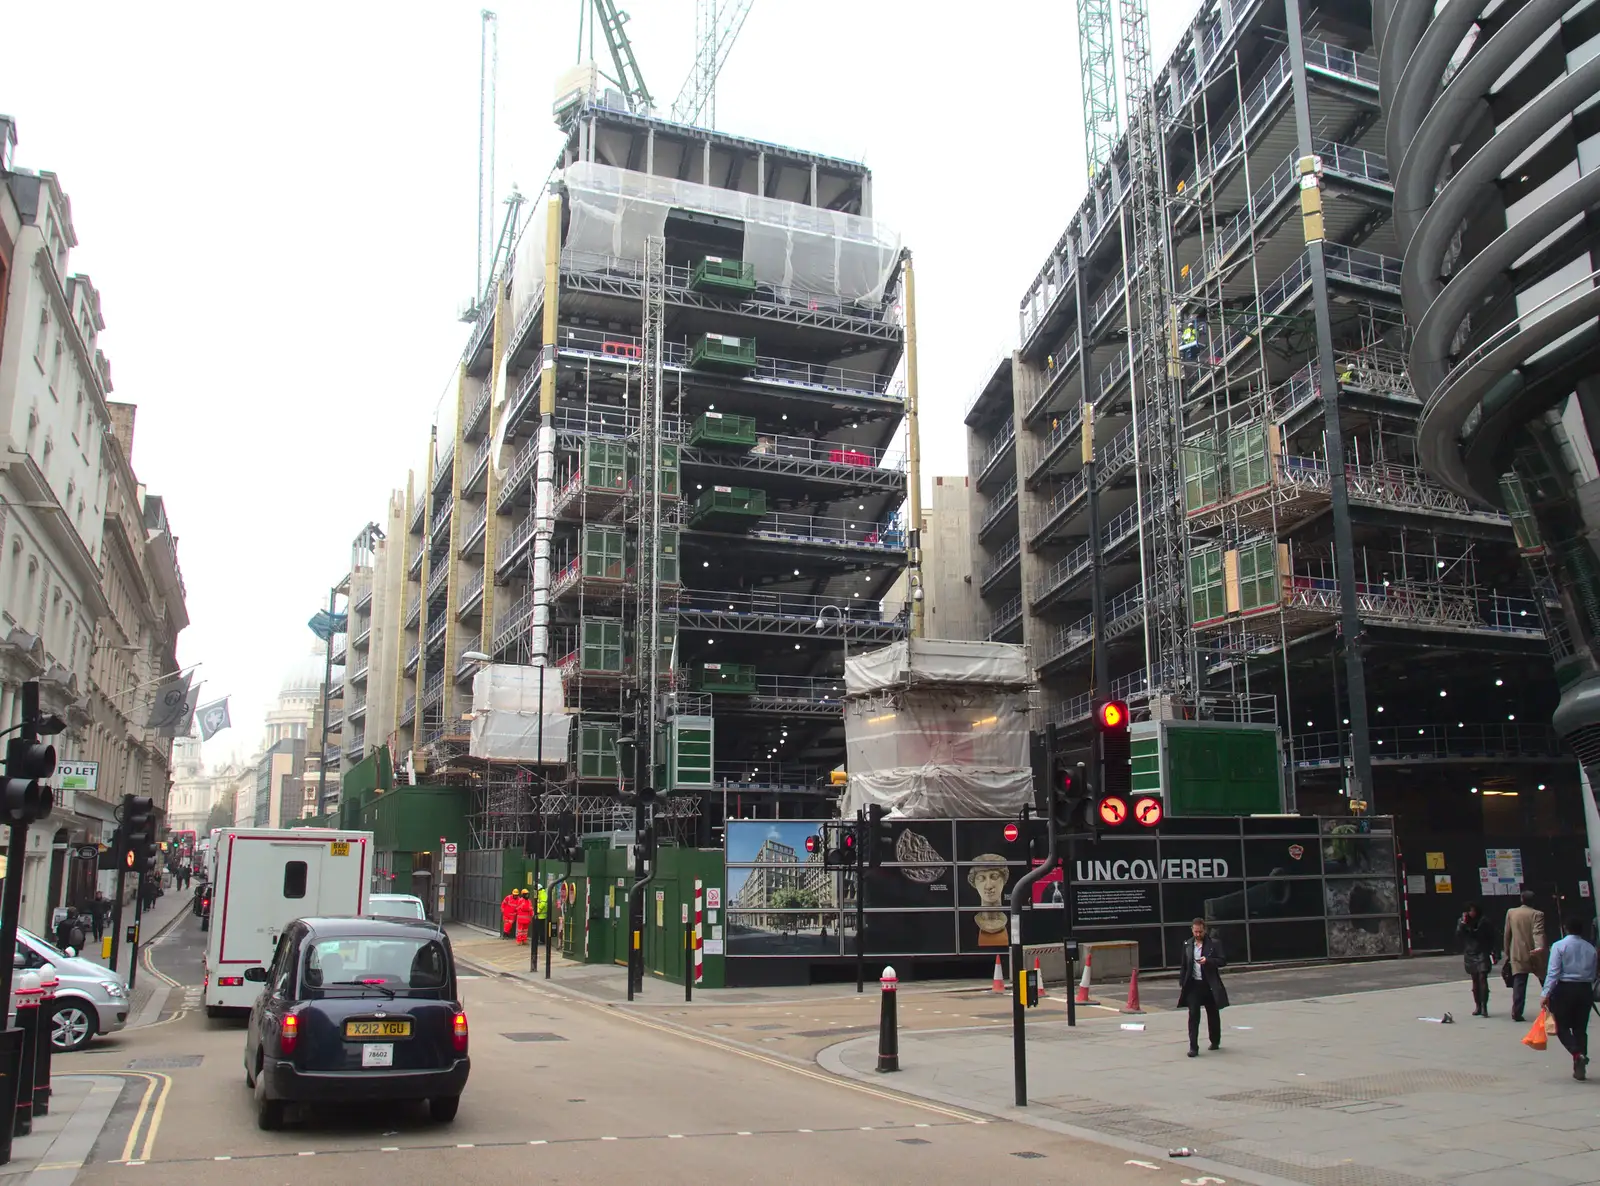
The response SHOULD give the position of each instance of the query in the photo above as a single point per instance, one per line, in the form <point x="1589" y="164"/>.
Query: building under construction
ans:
<point x="1247" y="535"/>
<point x="673" y="472"/>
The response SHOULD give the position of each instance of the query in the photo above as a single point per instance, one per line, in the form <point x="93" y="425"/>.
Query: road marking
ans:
<point x="306" y="1153"/>
<point x="155" y="1117"/>
<point x="538" y="1142"/>
<point x="389" y="1149"/>
<point x="674" y="1136"/>
<point x="1147" y="1165"/>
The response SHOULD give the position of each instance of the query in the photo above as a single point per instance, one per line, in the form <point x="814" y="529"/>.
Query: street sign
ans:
<point x="1113" y="810"/>
<point x="448" y="863"/>
<point x="1010" y="833"/>
<point x="78" y="776"/>
<point x="1147" y="812"/>
<point x="448" y="848"/>
<point x="87" y="852"/>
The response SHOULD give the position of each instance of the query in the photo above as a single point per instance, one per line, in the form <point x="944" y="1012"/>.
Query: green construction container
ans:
<point x="690" y="757"/>
<point x="1209" y="768"/>
<point x="728" y="508"/>
<point x="733" y="679"/>
<point x="717" y="274"/>
<point x="600" y="648"/>
<point x="596" y="743"/>
<point x="666" y="640"/>
<point x="723" y="352"/>
<point x="605" y="465"/>
<point x="668" y="566"/>
<point x="602" y="553"/>
<point x="716" y="431"/>
<point x="668" y="473"/>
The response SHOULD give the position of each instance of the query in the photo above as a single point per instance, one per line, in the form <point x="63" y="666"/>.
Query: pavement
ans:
<point x="149" y="996"/>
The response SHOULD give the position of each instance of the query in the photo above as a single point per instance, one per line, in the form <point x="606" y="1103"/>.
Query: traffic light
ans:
<point x="137" y="834"/>
<point x="1072" y="799"/>
<point x="1113" y="750"/>
<point x="880" y="834"/>
<point x="27" y="794"/>
<point x="842" y="850"/>
<point x="571" y="850"/>
<point x="813" y="844"/>
<point x="645" y="842"/>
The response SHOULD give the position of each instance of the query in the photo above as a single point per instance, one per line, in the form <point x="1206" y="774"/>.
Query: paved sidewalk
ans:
<point x="1353" y="1090"/>
<point x="149" y="991"/>
<point x="61" y="1142"/>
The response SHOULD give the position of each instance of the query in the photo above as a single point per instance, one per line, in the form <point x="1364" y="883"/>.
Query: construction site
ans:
<point x="677" y="485"/>
<point x="1196" y="479"/>
<point x="673" y="477"/>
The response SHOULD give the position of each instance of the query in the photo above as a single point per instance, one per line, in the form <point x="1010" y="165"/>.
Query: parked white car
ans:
<point x="90" y="1000"/>
<point x="406" y="906"/>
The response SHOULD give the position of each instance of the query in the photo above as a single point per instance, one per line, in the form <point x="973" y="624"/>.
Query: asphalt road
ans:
<point x="569" y="1090"/>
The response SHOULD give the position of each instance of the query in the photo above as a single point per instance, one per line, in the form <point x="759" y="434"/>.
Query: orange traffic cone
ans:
<point x="1133" y="995"/>
<point x="1082" y="997"/>
<point x="999" y="976"/>
<point x="1038" y="977"/>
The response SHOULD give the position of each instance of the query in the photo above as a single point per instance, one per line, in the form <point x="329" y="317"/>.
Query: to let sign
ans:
<point x="78" y="776"/>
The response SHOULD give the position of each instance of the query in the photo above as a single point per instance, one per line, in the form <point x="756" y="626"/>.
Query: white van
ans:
<point x="264" y="879"/>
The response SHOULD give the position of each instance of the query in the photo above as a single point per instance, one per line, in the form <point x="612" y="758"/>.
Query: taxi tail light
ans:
<point x="458" y="1032"/>
<point x="289" y="1036"/>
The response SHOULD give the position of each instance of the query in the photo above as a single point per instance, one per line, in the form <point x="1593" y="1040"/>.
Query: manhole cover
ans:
<point x="1028" y="1156"/>
<point x="176" y="1062"/>
<point x="534" y="1036"/>
<point x="914" y="1141"/>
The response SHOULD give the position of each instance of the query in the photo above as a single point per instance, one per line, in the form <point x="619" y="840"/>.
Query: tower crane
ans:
<point x="613" y="28"/>
<point x="716" y="27"/>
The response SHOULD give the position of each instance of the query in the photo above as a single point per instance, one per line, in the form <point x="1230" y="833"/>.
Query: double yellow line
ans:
<point x="152" y="1106"/>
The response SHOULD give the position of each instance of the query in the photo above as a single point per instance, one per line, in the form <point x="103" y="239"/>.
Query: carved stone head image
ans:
<point x="988" y="876"/>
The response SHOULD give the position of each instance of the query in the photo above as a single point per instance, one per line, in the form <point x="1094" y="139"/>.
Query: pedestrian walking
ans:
<point x="99" y="909"/>
<point x="1524" y="948"/>
<point x="1200" y="985"/>
<point x="524" y="917"/>
<point x="508" y="914"/>
<point x="1477" y="954"/>
<point x="1569" y="992"/>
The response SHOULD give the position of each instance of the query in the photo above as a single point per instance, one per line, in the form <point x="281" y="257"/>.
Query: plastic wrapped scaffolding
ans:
<point x="938" y="729"/>
<point x="797" y="251"/>
<point x="506" y="722"/>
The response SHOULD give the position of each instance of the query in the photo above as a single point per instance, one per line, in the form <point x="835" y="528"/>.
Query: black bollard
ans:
<point x="44" y="1052"/>
<point x="549" y="939"/>
<point x="28" y="1022"/>
<point x="888" y="1030"/>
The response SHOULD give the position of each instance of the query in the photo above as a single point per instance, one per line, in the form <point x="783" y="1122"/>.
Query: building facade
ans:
<point x="1322" y="579"/>
<point x="91" y="595"/>
<point x="1498" y="172"/>
<point x="775" y="302"/>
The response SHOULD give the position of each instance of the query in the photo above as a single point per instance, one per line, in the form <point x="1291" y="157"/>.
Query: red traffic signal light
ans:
<point x="813" y="843"/>
<point x="847" y="840"/>
<point x="1113" y="811"/>
<point x="129" y="858"/>
<point x="1148" y="812"/>
<point x="1113" y="714"/>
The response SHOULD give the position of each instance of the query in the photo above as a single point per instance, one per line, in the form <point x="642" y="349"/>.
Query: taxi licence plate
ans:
<point x="378" y="1029"/>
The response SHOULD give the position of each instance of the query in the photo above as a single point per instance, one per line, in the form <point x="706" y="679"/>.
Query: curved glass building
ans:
<point x="1493" y="134"/>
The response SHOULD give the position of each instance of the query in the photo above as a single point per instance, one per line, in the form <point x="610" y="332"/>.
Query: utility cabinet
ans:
<point x="689" y="758"/>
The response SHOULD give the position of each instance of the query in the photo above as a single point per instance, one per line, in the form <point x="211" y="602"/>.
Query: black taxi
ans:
<point x="356" y="1009"/>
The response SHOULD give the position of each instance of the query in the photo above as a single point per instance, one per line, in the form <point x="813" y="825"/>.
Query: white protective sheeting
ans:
<point x="527" y="269"/>
<point x="935" y="661"/>
<point x="937" y="727"/>
<point x="940" y="792"/>
<point x="506" y="722"/>
<point x="798" y="251"/>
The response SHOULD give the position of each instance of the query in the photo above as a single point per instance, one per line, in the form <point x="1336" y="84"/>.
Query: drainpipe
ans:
<point x="913" y="460"/>
<point x="544" y="490"/>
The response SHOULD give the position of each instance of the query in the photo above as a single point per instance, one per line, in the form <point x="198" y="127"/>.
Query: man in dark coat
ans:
<point x="1200" y="985"/>
<point x="1477" y="954"/>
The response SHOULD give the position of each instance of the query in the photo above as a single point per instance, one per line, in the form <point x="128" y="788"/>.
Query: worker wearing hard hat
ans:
<point x="508" y="915"/>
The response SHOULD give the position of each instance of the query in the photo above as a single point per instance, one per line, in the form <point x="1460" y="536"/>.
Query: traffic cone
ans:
<point x="1082" y="997"/>
<point x="1133" y="995"/>
<point x="999" y="976"/>
<point x="1038" y="977"/>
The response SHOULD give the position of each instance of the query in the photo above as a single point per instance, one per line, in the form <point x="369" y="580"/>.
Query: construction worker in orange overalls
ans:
<point x="524" y="917"/>
<point x="508" y="914"/>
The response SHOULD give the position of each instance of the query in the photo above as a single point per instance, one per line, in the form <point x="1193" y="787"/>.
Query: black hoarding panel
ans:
<point x="1361" y="895"/>
<point x="1284" y="897"/>
<point x="915" y="886"/>
<point x="1279" y="825"/>
<point x="985" y="840"/>
<point x="905" y="932"/>
<point x="1363" y="936"/>
<point x="920" y="842"/>
<point x="1118" y="904"/>
<point x="1282" y="856"/>
<point x="1271" y="942"/>
<point x="1214" y="901"/>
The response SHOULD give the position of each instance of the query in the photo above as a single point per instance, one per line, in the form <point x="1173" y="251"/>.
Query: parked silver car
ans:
<point x="91" y="1000"/>
<point x="407" y="906"/>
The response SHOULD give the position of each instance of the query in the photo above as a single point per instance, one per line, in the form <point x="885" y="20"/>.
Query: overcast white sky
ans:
<point x="277" y="205"/>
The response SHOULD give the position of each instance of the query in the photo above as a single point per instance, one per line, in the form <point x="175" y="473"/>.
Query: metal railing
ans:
<point x="764" y="775"/>
<point x="441" y="515"/>
<point x="856" y="533"/>
<point x="409" y="713"/>
<point x="1006" y="439"/>
<point x="825" y="452"/>
<point x="1111" y="374"/>
<point x="437" y="580"/>
<point x="475" y="524"/>
<point x="1007" y="555"/>
<point x="796" y="607"/>
<point x="411" y="656"/>
<point x="413" y="609"/>
<point x="479" y="406"/>
<point x="1007" y="616"/>
<point x="801" y="689"/>
<point x="361" y="640"/>
<point x="1107" y="298"/>
<point x="627" y="347"/>
<point x="480" y="458"/>
<point x="1116" y="532"/>
<point x="1004" y="499"/>
<point x="1465" y="741"/>
<point x="520" y="534"/>
<point x="433" y="689"/>
<point x="473" y="587"/>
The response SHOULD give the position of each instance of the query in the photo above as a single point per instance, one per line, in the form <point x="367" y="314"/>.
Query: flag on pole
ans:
<point x="184" y="725"/>
<point x="214" y="719"/>
<point x="170" y="702"/>
<point x="325" y="625"/>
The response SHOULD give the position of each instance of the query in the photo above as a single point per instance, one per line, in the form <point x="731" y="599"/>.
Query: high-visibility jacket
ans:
<point x="508" y="907"/>
<point x="544" y="904"/>
<point x="524" y="909"/>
